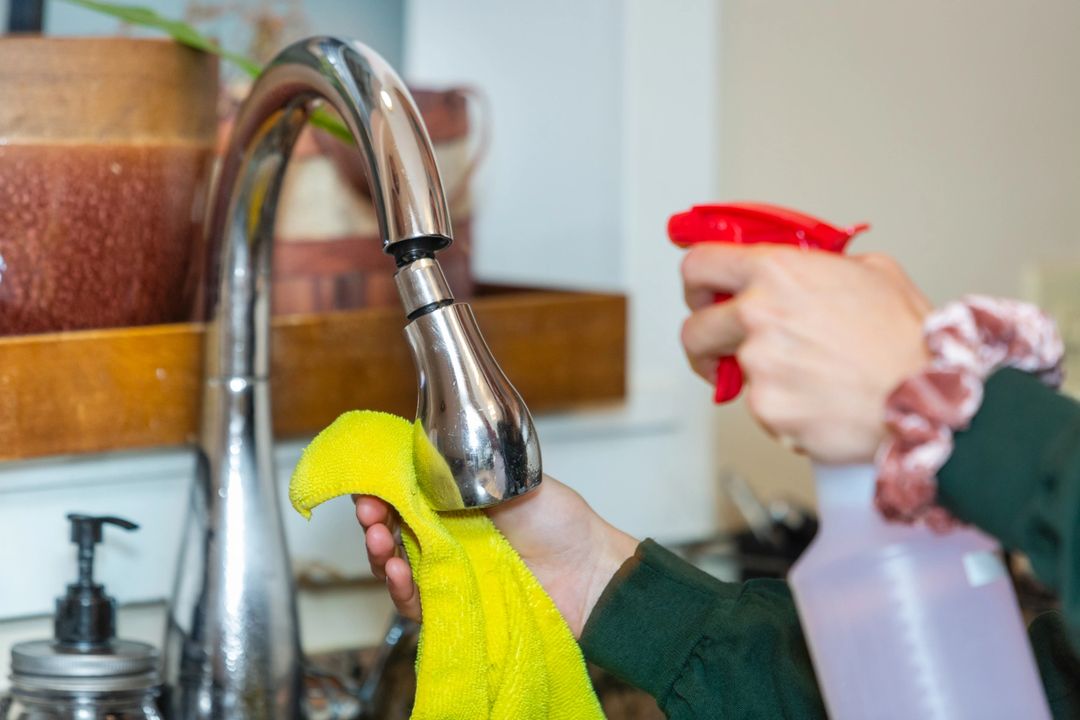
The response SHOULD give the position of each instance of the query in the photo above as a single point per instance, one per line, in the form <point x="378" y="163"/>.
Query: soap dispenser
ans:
<point x="84" y="673"/>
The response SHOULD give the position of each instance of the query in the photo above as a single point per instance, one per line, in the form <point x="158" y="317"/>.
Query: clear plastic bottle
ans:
<point x="905" y="623"/>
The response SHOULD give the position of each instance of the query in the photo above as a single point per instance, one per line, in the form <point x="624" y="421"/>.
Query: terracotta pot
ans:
<point x="105" y="157"/>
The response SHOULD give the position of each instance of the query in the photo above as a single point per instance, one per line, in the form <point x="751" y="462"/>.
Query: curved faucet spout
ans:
<point x="232" y="651"/>
<point x="375" y="105"/>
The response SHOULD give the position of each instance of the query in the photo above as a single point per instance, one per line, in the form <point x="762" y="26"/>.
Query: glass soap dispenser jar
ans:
<point x="84" y="673"/>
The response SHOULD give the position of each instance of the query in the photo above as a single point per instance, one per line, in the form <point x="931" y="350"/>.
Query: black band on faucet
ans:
<point x="430" y="307"/>
<point x="412" y="249"/>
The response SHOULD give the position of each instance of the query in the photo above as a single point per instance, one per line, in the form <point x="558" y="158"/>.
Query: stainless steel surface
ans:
<point x="482" y="448"/>
<point x="232" y="649"/>
<point x="422" y="283"/>
<point x="49" y="682"/>
<point x="399" y="628"/>
<point x="41" y="658"/>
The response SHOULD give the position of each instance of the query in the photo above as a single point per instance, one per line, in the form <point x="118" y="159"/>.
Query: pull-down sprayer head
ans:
<point x="477" y="446"/>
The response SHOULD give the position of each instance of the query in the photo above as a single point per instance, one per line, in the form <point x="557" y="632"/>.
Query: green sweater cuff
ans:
<point x="650" y="617"/>
<point x="996" y="466"/>
<point x="1059" y="665"/>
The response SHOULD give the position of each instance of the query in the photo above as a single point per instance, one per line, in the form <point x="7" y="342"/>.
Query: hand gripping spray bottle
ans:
<point x="902" y="622"/>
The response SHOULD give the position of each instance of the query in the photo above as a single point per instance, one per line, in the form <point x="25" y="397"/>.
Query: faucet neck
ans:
<point x="422" y="287"/>
<point x="410" y="205"/>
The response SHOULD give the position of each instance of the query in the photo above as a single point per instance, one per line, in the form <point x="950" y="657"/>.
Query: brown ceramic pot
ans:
<point x="105" y="155"/>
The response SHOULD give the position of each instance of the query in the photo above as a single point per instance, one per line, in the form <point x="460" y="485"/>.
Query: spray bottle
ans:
<point x="902" y="622"/>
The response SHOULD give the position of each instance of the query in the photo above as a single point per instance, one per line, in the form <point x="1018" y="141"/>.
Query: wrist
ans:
<point x="967" y="341"/>
<point x="614" y="547"/>
<point x="916" y="362"/>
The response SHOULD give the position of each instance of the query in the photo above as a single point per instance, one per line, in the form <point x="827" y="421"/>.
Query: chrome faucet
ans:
<point x="232" y="648"/>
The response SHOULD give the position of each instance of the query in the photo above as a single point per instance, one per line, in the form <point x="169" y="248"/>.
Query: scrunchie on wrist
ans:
<point x="968" y="340"/>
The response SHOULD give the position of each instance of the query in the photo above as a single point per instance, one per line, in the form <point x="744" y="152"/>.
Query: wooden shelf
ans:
<point x="103" y="390"/>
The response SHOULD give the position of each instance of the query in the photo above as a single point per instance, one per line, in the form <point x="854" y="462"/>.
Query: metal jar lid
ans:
<point x="41" y="665"/>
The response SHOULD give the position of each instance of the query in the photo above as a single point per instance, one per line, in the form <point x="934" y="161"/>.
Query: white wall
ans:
<point x="953" y="127"/>
<point x="548" y="196"/>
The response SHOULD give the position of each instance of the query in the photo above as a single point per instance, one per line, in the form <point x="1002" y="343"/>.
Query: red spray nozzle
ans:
<point x="745" y="223"/>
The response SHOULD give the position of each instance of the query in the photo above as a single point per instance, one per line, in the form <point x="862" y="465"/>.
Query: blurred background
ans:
<point x="950" y="127"/>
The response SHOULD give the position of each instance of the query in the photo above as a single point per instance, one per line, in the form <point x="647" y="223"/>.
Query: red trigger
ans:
<point x="746" y="223"/>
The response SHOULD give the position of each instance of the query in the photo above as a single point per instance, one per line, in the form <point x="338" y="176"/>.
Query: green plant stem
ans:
<point x="183" y="33"/>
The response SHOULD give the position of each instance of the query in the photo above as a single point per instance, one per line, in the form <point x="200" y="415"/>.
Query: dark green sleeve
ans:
<point x="710" y="649"/>
<point x="1059" y="666"/>
<point x="706" y="648"/>
<point x="1015" y="473"/>
<point x="703" y="648"/>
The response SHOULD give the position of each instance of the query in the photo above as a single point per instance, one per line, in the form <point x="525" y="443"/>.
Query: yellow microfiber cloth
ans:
<point x="493" y="646"/>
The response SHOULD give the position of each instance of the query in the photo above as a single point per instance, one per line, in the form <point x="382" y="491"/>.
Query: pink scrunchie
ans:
<point x="968" y="340"/>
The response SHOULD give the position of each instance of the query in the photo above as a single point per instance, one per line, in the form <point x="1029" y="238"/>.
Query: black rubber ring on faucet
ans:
<point x="412" y="249"/>
<point x="429" y="308"/>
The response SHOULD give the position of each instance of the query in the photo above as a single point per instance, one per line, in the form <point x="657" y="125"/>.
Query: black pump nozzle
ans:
<point x="26" y="16"/>
<point x="86" y="616"/>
